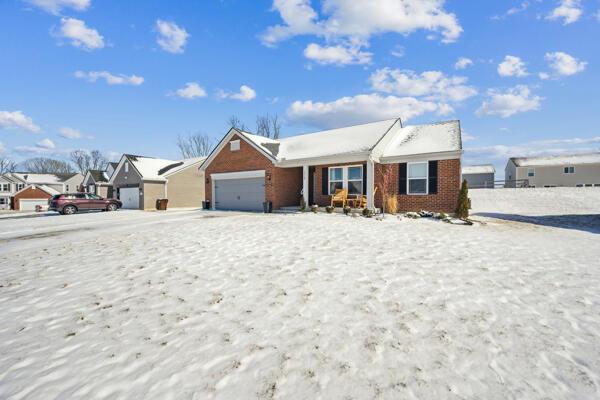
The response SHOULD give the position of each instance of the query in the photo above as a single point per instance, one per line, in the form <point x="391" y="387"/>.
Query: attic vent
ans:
<point x="234" y="145"/>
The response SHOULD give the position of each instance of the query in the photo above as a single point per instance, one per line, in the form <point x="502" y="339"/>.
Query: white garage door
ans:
<point x="130" y="197"/>
<point x="237" y="192"/>
<point x="29" y="204"/>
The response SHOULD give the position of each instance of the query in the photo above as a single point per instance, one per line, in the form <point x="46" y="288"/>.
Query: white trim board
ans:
<point x="238" y="175"/>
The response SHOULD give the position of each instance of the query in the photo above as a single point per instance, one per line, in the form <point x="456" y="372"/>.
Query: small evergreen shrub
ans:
<point x="347" y="210"/>
<point x="366" y="212"/>
<point x="329" y="209"/>
<point x="462" y="210"/>
<point x="314" y="208"/>
<point x="302" y="204"/>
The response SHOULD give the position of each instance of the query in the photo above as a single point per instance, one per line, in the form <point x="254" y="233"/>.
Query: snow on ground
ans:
<point x="202" y="305"/>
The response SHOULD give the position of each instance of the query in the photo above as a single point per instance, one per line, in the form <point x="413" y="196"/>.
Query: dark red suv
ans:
<point x="72" y="203"/>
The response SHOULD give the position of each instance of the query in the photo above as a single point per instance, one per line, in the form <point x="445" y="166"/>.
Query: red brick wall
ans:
<point x="29" y="193"/>
<point x="445" y="199"/>
<point x="282" y="185"/>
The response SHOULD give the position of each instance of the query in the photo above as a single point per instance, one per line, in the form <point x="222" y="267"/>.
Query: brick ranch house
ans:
<point x="423" y="161"/>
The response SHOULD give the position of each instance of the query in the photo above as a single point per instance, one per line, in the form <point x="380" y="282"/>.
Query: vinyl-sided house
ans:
<point x="97" y="181"/>
<point x="27" y="190"/>
<point x="479" y="176"/>
<point x="139" y="181"/>
<point x="580" y="170"/>
<point x="423" y="162"/>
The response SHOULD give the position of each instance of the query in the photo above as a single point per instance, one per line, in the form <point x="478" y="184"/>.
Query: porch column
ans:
<point x="370" y="184"/>
<point x="305" y="189"/>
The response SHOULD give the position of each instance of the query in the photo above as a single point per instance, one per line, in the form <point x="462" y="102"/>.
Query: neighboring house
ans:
<point x="244" y="170"/>
<point x="8" y="188"/>
<point x="479" y="176"/>
<point x="62" y="183"/>
<point x="96" y="182"/>
<point x="549" y="171"/>
<point x="31" y="196"/>
<point x="14" y="182"/>
<point x="139" y="181"/>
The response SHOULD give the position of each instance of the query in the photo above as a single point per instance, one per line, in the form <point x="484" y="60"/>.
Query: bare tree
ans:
<point x="268" y="126"/>
<point x="85" y="160"/>
<point x="235" y="122"/>
<point x="43" y="165"/>
<point x="7" y="165"/>
<point x="196" y="145"/>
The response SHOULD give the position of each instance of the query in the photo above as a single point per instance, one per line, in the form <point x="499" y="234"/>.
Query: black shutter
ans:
<point x="402" y="178"/>
<point x="364" y="179"/>
<point x="433" y="177"/>
<point x="325" y="181"/>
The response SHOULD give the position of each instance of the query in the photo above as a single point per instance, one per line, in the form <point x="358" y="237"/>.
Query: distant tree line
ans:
<point x="79" y="161"/>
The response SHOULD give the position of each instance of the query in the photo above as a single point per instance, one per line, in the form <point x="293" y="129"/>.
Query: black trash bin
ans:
<point x="267" y="206"/>
<point x="206" y="205"/>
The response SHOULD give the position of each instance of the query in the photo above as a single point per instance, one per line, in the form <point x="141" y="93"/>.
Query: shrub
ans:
<point x="314" y="208"/>
<point x="391" y="204"/>
<point x="302" y="204"/>
<point x="347" y="210"/>
<point x="462" y="210"/>
<point x="329" y="209"/>
<point x="366" y="212"/>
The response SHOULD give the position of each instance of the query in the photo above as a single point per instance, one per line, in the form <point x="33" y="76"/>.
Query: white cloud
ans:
<point x="246" y="93"/>
<point x="513" y="10"/>
<point x="433" y="85"/>
<point x="544" y="76"/>
<point x="359" y="109"/>
<point x="109" y="78"/>
<point x="69" y="133"/>
<point x="568" y="10"/>
<point x="80" y="35"/>
<point x="55" y="6"/>
<point x="190" y="91"/>
<point x="512" y="101"/>
<point x="17" y="120"/>
<point x="564" y="64"/>
<point x="467" y="137"/>
<point x="46" y="144"/>
<point x="512" y="66"/>
<point x="171" y="37"/>
<point x="361" y="20"/>
<point x="463" y="62"/>
<point x="398" y="51"/>
<point x="337" y="55"/>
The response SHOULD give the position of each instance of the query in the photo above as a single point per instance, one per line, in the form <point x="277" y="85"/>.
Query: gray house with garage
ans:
<point x="139" y="181"/>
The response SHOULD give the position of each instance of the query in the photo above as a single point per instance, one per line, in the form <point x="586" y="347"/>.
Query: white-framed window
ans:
<point x="588" y="185"/>
<point x="531" y="172"/>
<point x="3" y="201"/>
<point x="20" y="186"/>
<point x="336" y="179"/>
<point x="234" y="145"/>
<point x="355" y="179"/>
<point x="417" y="178"/>
<point x="347" y="177"/>
<point x="569" y="170"/>
<point x="126" y="167"/>
<point x="5" y="187"/>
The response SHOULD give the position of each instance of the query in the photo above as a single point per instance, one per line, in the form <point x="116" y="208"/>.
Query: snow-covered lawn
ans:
<point x="201" y="305"/>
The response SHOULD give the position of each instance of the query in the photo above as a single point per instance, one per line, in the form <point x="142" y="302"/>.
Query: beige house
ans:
<point x="139" y="181"/>
<point x="96" y="181"/>
<point x="578" y="170"/>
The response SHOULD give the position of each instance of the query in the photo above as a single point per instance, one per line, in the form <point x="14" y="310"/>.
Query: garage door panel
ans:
<point x="29" y="204"/>
<point x="130" y="197"/>
<point x="245" y="194"/>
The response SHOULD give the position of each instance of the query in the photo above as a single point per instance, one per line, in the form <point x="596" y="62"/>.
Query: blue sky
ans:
<point x="132" y="76"/>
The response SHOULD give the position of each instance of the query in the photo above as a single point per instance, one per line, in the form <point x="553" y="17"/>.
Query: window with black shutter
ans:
<point x="325" y="181"/>
<point x="402" y="178"/>
<point x="433" y="177"/>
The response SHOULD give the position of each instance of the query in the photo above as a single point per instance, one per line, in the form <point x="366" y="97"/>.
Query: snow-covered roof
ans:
<point x="566" y="159"/>
<point x="158" y="169"/>
<point x="39" y="179"/>
<point x="341" y="141"/>
<point x="479" y="169"/>
<point x="423" y="139"/>
<point x="45" y="188"/>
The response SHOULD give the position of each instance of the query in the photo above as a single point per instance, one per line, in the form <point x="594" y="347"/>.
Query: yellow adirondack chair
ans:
<point x="340" y="196"/>
<point x="361" y="200"/>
